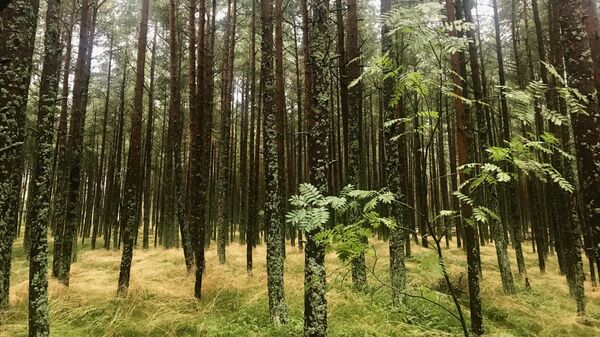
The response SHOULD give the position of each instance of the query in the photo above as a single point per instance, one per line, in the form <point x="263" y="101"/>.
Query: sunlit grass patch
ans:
<point x="160" y="301"/>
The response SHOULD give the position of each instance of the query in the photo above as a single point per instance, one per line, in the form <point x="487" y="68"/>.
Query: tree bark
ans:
<point x="76" y="136"/>
<point x="224" y="194"/>
<point x="40" y="191"/>
<point x="586" y="128"/>
<point x="16" y="50"/>
<point x="147" y="171"/>
<point x="274" y="204"/>
<point x="253" y="149"/>
<point x="134" y="159"/>
<point x="467" y="149"/>
<point x="319" y="62"/>
<point x="100" y="176"/>
<point x="592" y="27"/>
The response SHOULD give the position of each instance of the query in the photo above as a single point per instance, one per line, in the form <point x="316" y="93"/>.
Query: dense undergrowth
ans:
<point x="161" y="303"/>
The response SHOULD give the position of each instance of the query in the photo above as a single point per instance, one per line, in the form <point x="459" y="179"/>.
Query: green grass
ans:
<point x="160" y="301"/>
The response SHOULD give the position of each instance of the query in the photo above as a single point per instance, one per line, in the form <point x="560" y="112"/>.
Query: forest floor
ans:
<point x="161" y="303"/>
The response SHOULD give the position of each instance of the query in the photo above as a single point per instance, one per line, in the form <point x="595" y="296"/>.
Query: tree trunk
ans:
<point x="274" y="204"/>
<point x="39" y="325"/>
<point x="134" y="160"/>
<point x="353" y="144"/>
<point x="497" y="226"/>
<point x="224" y="206"/>
<point x="585" y="126"/>
<point x="75" y="138"/>
<point x="16" y="49"/>
<point x="253" y="149"/>
<point x="147" y="171"/>
<point x="592" y="27"/>
<point x="280" y="117"/>
<point x="100" y="176"/>
<point x="395" y="168"/>
<point x="467" y="149"/>
<point x="319" y="61"/>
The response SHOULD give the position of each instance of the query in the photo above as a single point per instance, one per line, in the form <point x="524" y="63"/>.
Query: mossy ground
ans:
<point x="160" y="301"/>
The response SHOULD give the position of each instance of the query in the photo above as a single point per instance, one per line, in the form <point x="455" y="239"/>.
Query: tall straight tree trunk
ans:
<point x="253" y="148"/>
<point x="421" y="191"/>
<point x="134" y="159"/>
<point x="509" y="197"/>
<point x="168" y="215"/>
<point x="193" y="102"/>
<point x="75" y="138"/>
<point x="343" y="78"/>
<point x="274" y="204"/>
<point x="178" y="179"/>
<point x="395" y="168"/>
<point x="60" y="161"/>
<point x="511" y="189"/>
<point x="100" y="175"/>
<point x="300" y="115"/>
<point x="319" y="61"/>
<point x="498" y="230"/>
<point x="592" y="27"/>
<point x="148" y="150"/>
<point x="16" y="50"/>
<point x="306" y="83"/>
<point x="280" y="119"/>
<point x="354" y="168"/>
<point x="459" y="107"/>
<point x="112" y="197"/>
<point x="569" y="231"/>
<point x="210" y="147"/>
<point x="586" y="128"/>
<point x="39" y="325"/>
<point x="244" y="130"/>
<point x="61" y="132"/>
<point x="300" y="124"/>
<point x="197" y="169"/>
<point x="535" y="188"/>
<point x="467" y="149"/>
<point x="224" y="207"/>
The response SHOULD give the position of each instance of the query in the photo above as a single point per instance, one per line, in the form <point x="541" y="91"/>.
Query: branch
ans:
<point x="10" y="147"/>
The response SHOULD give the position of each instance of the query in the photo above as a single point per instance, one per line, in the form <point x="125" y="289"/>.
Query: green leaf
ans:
<point x="503" y="177"/>
<point x="479" y="215"/>
<point x="497" y="154"/>
<point x="463" y="198"/>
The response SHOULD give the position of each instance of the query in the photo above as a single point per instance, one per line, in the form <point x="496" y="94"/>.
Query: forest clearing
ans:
<point x="161" y="300"/>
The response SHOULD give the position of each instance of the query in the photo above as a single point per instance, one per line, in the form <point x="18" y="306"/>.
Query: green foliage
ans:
<point x="527" y="154"/>
<point x="313" y="211"/>
<point x="523" y="154"/>
<point x="424" y="31"/>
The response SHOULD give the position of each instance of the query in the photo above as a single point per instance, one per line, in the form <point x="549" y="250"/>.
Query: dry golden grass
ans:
<point x="160" y="300"/>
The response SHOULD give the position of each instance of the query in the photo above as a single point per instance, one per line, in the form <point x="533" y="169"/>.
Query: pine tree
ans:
<point x="355" y="170"/>
<point x="273" y="204"/>
<point x="76" y="136"/>
<point x="395" y="171"/>
<point x="42" y="175"/>
<point x="100" y="176"/>
<point x="16" y="49"/>
<point x="586" y="128"/>
<point x="224" y="206"/>
<point x="319" y="40"/>
<point x="253" y="148"/>
<point x="467" y="149"/>
<point x="148" y="153"/>
<point x="134" y="159"/>
<point x="60" y="159"/>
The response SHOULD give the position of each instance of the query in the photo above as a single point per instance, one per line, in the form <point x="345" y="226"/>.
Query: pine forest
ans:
<point x="312" y="168"/>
